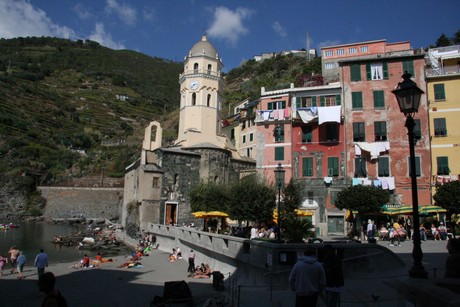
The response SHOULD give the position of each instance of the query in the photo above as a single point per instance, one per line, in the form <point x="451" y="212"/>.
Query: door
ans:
<point x="171" y="213"/>
<point x="335" y="225"/>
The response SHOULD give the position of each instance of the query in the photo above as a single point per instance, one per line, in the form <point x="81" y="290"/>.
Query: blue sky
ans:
<point x="239" y="29"/>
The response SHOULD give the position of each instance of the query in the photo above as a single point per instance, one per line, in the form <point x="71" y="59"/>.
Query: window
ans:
<point x="340" y="51"/>
<point x="417" y="130"/>
<point x="232" y="134"/>
<point x="329" y="65"/>
<point x="409" y="67"/>
<point x="332" y="132"/>
<point x="360" y="167"/>
<point x="359" y="132"/>
<point x="439" y="93"/>
<point x="440" y="127"/>
<point x="417" y="166"/>
<point x="156" y="182"/>
<point x="251" y="137"/>
<point x="443" y="165"/>
<point x="276" y="105"/>
<point x="364" y="49"/>
<point x="333" y="166"/>
<point x="195" y="68"/>
<point x="384" y="166"/>
<point x="329" y="53"/>
<point x="357" y="100"/>
<point x="329" y="101"/>
<point x="208" y="101"/>
<point x="377" y="71"/>
<point x="352" y="50"/>
<point x="380" y="130"/>
<point x="355" y="72"/>
<point x="209" y="68"/>
<point x="306" y="102"/>
<point x="244" y="139"/>
<point x="307" y="135"/>
<point x="193" y="99"/>
<point x="279" y="153"/>
<point x="307" y="167"/>
<point x="279" y="133"/>
<point x="379" y="101"/>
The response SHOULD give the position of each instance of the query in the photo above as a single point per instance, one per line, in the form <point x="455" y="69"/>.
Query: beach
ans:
<point x="106" y="285"/>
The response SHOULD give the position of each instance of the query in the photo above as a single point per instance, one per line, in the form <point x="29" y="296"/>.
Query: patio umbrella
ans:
<point x="405" y="210"/>
<point x="432" y="209"/>
<point x="216" y="214"/>
<point x="301" y="213"/>
<point x="199" y="214"/>
<point x="390" y="210"/>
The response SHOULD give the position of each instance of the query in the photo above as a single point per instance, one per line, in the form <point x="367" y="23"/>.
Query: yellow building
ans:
<point x="443" y="90"/>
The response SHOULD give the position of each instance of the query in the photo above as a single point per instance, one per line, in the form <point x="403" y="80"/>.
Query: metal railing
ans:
<point x="441" y="71"/>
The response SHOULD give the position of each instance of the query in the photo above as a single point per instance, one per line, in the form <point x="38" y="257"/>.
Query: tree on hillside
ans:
<point x="443" y="41"/>
<point x="250" y="199"/>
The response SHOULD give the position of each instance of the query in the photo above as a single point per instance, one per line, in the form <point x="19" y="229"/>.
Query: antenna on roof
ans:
<point x="308" y="46"/>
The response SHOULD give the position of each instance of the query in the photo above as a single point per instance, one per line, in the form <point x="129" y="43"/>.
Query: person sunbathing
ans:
<point x="203" y="271"/>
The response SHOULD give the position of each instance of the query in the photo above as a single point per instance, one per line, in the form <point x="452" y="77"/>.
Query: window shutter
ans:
<point x="385" y="70"/>
<point x="368" y="71"/>
<point x="338" y="99"/>
<point x="313" y="101"/>
<point x="439" y="93"/>
<point x="279" y="153"/>
<point x="307" y="166"/>
<point x="355" y="72"/>
<point x="283" y="104"/>
<point x="409" y="67"/>
<point x="298" y="102"/>
<point x="321" y="101"/>
<point x="270" y="105"/>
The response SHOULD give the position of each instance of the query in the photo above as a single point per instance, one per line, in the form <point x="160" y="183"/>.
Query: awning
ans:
<point x="432" y="209"/>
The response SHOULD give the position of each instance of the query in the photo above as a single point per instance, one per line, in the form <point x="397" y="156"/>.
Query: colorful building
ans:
<point x="376" y="141"/>
<point x="443" y="92"/>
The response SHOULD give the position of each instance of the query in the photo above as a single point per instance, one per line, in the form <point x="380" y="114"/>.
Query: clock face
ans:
<point x="194" y="84"/>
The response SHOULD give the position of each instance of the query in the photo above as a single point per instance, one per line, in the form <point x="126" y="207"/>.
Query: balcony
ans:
<point x="442" y="71"/>
<point x="201" y="71"/>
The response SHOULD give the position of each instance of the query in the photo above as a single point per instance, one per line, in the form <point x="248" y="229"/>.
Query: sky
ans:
<point x="238" y="29"/>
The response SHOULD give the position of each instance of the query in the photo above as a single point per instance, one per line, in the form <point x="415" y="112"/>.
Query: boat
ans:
<point x="11" y="225"/>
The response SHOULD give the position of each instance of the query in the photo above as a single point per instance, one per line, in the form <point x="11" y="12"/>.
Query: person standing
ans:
<point x="21" y="264"/>
<point x="14" y="254"/>
<point x="334" y="276"/>
<point x="191" y="261"/>
<point x="46" y="284"/>
<point x="41" y="262"/>
<point x="307" y="279"/>
<point x="453" y="260"/>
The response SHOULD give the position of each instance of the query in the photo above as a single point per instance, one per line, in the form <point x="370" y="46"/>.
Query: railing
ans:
<point x="200" y="71"/>
<point x="441" y="71"/>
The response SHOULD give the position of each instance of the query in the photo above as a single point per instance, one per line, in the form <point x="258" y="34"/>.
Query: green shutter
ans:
<point x="298" y="102"/>
<point x="279" y="153"/>
<point x="313" y="101"/>
<point x="307" y="166"/>
<point x="338" y="99"/>
<point x="307" y="134"/>
<point x="417" y="129"/>
<point x="384" y="167"/>
<point x="333" y="166"/>
<point x="357" y="100"/>
<point x="355" y="72"/>
<point x="385" y="70"/>
<point x="270" y="105"/>
<point x="443" y="165"/>
<point x="379" y="99"/>
<point x="417" y="167"/>
<point x="409" y="67"/>
<point x="439" y="92"/>
<point x="283" y="104"/>
<point x="321" y="101"/>
<point x="368" y="71"/>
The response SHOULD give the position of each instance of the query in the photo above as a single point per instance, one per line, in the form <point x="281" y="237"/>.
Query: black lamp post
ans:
<point x="279" y="176"/>
<point x="408" y="95"/>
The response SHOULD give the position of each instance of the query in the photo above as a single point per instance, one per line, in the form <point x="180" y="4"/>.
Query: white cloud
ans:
<point x="82" y="12"/>
<point x="328" y="43"/>
<point x="228" y="24"/>
<point x="99" y="35"/>
<point x="126" y="13"/>
<point x="148" y="13"/>
<point x="278" y="28"/>
<point x="20" y="18"/>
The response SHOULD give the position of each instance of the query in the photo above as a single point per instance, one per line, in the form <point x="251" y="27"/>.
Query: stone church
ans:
<point x="156" y="186"/>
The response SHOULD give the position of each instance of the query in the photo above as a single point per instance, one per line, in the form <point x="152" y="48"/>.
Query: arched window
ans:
<point x="208" y="102"/>
<point x="209" y="68"/>
<point x="195" y="68"/>
<point x="193" y="99"/>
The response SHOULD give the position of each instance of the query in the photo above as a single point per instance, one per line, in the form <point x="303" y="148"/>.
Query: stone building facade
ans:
<point x="156" y="186"/>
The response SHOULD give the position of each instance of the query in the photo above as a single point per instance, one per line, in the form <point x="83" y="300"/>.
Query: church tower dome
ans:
<point x="203" y="48"/>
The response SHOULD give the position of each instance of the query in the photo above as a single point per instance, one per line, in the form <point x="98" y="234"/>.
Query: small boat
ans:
<point x="11" y="225"/>
<point x="4" y="227"/>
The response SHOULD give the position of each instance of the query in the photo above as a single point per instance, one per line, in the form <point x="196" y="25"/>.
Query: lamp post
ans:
<point x="279" y="176"/>
<point x="408" y="95"/>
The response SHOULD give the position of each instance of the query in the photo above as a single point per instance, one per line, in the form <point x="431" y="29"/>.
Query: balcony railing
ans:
<point x="442" y="71"/>
<point x="200" y="71"/>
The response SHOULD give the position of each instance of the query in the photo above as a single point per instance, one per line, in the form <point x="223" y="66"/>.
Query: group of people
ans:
<point x="310" y="278"/>
<point x="438" y="233"/>
<point x="17" y="259"/>
<point x="262" y="232"/>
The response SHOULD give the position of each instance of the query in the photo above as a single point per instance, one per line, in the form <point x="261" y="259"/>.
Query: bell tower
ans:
<point x="200" y="103"/>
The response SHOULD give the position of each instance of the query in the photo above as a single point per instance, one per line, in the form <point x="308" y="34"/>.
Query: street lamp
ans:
<point x="279" y="176"/>
<point x="408" y="95"/>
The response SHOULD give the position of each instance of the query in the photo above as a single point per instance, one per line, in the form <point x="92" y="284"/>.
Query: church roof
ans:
<point x="203" y="47"/>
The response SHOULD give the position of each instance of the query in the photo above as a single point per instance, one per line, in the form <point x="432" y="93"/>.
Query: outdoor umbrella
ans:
<point x="199" y="214"/>
<point x="215" y="214"/>
<point x="432" y="209"/>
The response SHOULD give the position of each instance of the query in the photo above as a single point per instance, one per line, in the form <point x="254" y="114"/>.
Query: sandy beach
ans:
<point x="107" y="285"/>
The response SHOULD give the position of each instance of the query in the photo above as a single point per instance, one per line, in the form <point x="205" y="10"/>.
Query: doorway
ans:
<point x="335" y="225"/>
<point x="171" y="214"/>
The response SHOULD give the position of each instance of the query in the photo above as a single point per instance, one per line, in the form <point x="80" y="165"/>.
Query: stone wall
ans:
<point x="69" y="202"/>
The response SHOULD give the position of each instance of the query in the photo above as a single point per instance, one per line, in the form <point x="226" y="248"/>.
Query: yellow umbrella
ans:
<point x="432" y="209"/>
<point x="199" y="214"/>
<point x="300" y="212"/>
<point x="216" y="214"/>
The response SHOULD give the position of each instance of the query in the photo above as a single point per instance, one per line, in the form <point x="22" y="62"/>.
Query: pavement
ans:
<point x="110" y="285"/>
